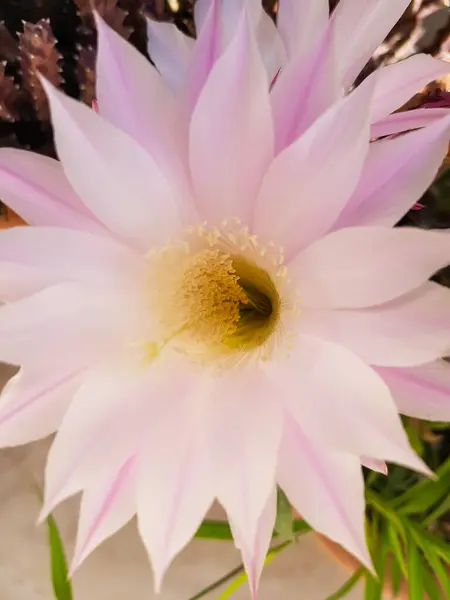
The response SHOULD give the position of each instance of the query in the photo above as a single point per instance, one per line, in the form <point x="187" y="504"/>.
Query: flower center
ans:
<point x="216" y="293"/>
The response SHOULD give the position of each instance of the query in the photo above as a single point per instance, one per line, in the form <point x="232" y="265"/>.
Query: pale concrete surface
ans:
<point x="119" y="570"/>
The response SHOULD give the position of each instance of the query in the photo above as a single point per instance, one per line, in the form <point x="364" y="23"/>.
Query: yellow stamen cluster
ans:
<point x="216" y="293"/>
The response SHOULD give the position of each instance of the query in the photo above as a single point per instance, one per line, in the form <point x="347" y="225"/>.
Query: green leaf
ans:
<point x="396" y="576"/>
<point x="440" y="572"/>
<point x="214" y="530"/>
<point x="427" y="496"/>
<point x="431" y="586"/>
<point x="396" y="548"/>
<point x="284" y="521"/>
<point x="348" y="585"/>
<point x="440" y="510"/>
<point x="421" y="489"/>
<point x="62" y="587"/>
<point x="415" y="570"/>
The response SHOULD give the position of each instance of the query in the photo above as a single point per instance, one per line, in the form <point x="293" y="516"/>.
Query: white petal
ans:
<point x="342" y="403"/>
<point x="134" y="97"/>
<point x="71" y="323"/>
<point x="304" y="89"/>
<point x="104" y="426"/>
<point x="32" y="258"/>
<point x="33" y="404"/>
<point x="375" y="465"/>
<point x="176" y="479"/>
<point x="326" y="488"/>
<point x="301" y="24"/>
<point x="397" y="173"/>
<point x="407" y="120"/>
<point x="105" y="508"/>
<point x="360" y="26"/>
<point x="422" y="392"/>
<point x="366" y="266"/>
<point x="113" y="175"/>
<point x="297" y="203"/>
<point x="254" y="548"/>
<point x="171" y="51"/>
<point x="412" y="330"/>
<point x="232" y="127"/>
<point x="397" y="83"/>
<point x="36" y="188"/>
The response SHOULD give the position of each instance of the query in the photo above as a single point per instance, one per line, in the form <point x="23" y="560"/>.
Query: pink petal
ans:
<point x="105" y="508"/>
<point x="360" y="26"/>
<point x="71" y="322"/>
<point x="404" y="121"/>
<point x="411" y="330"/>
<point x="342" y="403"/>
<point x="326" y="488"/>
<point x="234" y="110"/>
<point x="206" y="51"/>
<point x="252" y="421"/>
<point x="113" y="175"/>
<point x="171" y="51"/>
<point x="36" y="188"/>
<point x="398" y="82"/>
<point x="307" y="203"/>
<point x="422" y="392"/>
<point x="105" y="425"/>
<point x="365" y="266"/>
<point x="33" y="404"/>
<point x="176" y="478"/>
<point x="254" y="548"/>
<point x="396" y="174"/>
<point x="32" y="258"/>
<point x="304" y="89"/>
<point x="375" y="465"/>
<point x="301" y="24"/>
<point x="134" y="97"/>
<point x="269" y="41"/>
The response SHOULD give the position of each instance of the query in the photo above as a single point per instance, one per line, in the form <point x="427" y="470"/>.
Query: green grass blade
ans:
<point x="220" y="530"/>
<point x="62" y="588"/>
<point x="396" y="548"/>
<point x="348" y="585"/>
<point x="415" y="572"/>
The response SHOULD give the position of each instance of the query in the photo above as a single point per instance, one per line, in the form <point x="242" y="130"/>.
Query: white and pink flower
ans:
<point x="212" y="299"/>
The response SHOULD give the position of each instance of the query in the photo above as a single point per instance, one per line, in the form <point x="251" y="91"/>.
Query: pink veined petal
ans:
<point x="360" y="27"/>
<point x="105" y="508"/>
<point x="269" y="42"/>
<point x="297" y="203"/>
<point x="33" y="403"/>
<point x="342" y="403"/>
<point x="105" y="425"/>
<point x="375" y="465"/>
<point x="301" y="24"/>
<point x="134" y="97"/>
<point x="252" y="420"/>
<point x="396" y="174"/>
<point x="206" y="51"/>
<point x="405" y="121"/>
<point x="423" y="391"/>
<point x="67" y="324"/>
<point x="112" y="173"/>
<point x="32" y="258"/>
<point x="170" y="50"/>
<point x="398" y="82"/>
<point x="326" y="488"/>
<point x="36" y="188"/>
<point x="304" y="89"/>
<point x="231" y="127"/>
<point x="366" y="266"/>
<point x="176" y="481"/>
<point x="408" y="331"/>
<point x="254" y="548"/>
